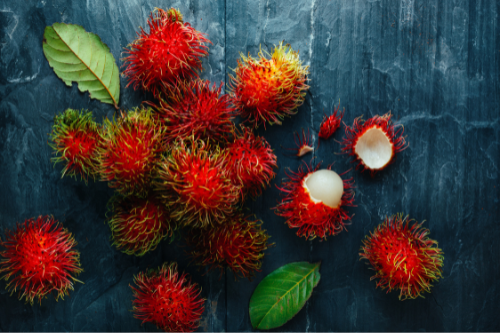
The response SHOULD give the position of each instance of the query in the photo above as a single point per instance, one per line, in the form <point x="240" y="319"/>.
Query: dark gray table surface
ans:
<point x="434" y="63"/>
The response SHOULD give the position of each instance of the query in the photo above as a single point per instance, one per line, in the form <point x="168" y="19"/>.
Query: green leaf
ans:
<point x="80" y="56"/>
<point x="282" y="294"/>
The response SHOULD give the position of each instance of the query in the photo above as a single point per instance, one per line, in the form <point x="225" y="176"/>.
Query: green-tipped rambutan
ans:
<point x="238" y="243"/>
<point x="167" y="299"/>
<point x="132" y="145"/>
<point x="403" y="257"/>
<point x="199" y="177"/>
<point x="75" y="138"/>
<point x="40" y="257"/>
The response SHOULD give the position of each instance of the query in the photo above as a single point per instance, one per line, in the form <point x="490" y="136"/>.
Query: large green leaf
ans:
<point x="282" y="294"/>
<point x="80" y="56"/>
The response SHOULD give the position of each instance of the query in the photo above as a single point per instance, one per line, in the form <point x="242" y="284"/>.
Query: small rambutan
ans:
<point x="138" y="225"/>
<point x="169" y="53"/>
<point x="40" y="257"/>
<point x="167" y="299"/>
<point x="238" y="243"/>
<point x="196" y="109"/>
<point x="252" y="161"/>
<point x="267" y="90"/>
<point x="403" y="257"/>
<point x="314" y="201"/>
<point x="303" y="143"/>
<point x="330" y="124"/>
<point x="75" y="138"/>
<point x="132" y="145"/>
<point x="199" y="176"/>
<point x="374" y="142"/>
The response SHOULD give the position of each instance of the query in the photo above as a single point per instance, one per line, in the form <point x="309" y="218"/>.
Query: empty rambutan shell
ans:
<point x="132" y="146"/>
<point x="373" y="143"/>
<point x="238" y="243"/>
<point x="167" y="299"/>
<point x="195" y="109"/>
<point x="169" y="53"/>
<point x="195" y="179"/>
<point x="403" y="257"/>
<point x="314" y="201"/>
<point x="303" y="144"/>
<point x="252" y="161"/>
<point x="267" y="90"/>
<point x="139" y="224"/>
<point x="40" y="257"/>
<point x="75" y="138"/>
<point x="330" y="123"/>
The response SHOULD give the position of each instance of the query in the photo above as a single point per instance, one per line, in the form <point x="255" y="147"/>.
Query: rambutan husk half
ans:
<point x="195" y="109"/>
<point x="238" y="243"/>
<point x="40" y="257"/>
<point x="403" y="257"/>
<point x="314" y="201"/>
<point x="195" y="179"/>
<point x="252" y="161"/>
<point x="132" y="147"/>
<point x="268" y="90"/>
<point x="167" y="299"/>
<point x="331" y="123"/>
<point x="139" y="224"/>
<point x="373" y="143"/>
<point x="169" y="53"/>
<point x="74" y="139"/>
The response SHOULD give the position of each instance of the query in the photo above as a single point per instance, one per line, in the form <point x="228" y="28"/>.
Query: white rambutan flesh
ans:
<point x="374" y="148"/>
<point x="325" y="186"/>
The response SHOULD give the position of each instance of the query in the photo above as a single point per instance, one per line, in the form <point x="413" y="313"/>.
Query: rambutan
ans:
<point x="330" y="124"/>
<point x="238" y="244"/>
<point x="138" y="225"/>
<point x="199" y="176"/>
<point x="169" y="53"/>
<point x="40" y="257"/>
<point x="167" y="299"/>
<point x="252" y="161"/>
<point x="75" y="138"/>
<point x="196" y="109"/>
<point x="132" y="145"/>
<point x="403" y="257"/>
<point x="303" y="143"/>
<point x="268" y="90"/>
<point x="314" y="201"/>
<point x="374" y="142"/>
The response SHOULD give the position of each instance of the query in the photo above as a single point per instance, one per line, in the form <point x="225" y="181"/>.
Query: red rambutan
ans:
<point x="302" y="143"/>
<point x="374" y="142"/>
<point x="314" y="201"/>
<point x="252" y="161"/>
<point x="330" y="124"/>
<point x="40" y="258"/>
<point x="267" y="90"/>
<point x="131" y="148"/>
<point x="403" y="256"/>
<point x="238" y="243"/>
<point x="200" y="178"/>
<point x="138" y="225"/>
<point x="75" y="138"/>
<point x="167" y="299"/>
<point x="196" y="109"/>
<point x="169" y="53"/>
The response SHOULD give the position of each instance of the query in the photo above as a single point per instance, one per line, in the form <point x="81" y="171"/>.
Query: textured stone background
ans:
<point x="435" y="64"/>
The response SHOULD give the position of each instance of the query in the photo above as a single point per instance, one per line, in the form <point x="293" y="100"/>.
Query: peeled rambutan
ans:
<point x="403" y="257"/>
<point x="200" y="178"/>
<point x="75" y="138"/>
<point x="266" y="90"/>
<point x="251" y="160"/>
<point x="314" y="201"/>
<point x="132" y="145"/>
<point x="138" y="225"/>
<point x="238" y="244"/>
<point x="330" y="124"/>
<point x="196" y="109"/>
<point x="40" y="257"/>
<point x="169" y="53"/>
<point x="167" y="299"/>
<point x="374" y="142"/>
<point x="303" y="143"/>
